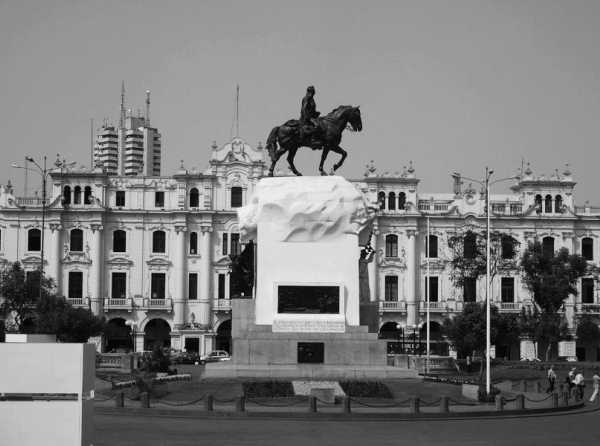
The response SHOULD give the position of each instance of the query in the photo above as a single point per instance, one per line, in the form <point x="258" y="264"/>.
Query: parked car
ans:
<point x="216" y="356"/>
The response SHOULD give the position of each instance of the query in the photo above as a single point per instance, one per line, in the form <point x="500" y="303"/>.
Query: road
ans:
<point x="570" y="429"/>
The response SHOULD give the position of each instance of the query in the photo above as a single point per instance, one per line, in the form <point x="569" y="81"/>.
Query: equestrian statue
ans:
<point x="314" y="131"/>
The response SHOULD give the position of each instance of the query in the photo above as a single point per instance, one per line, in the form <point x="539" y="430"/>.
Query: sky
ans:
<point x="449" y="85"/>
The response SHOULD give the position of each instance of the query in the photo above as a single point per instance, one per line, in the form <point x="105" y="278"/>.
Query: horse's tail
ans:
<point x="272" y="142"/>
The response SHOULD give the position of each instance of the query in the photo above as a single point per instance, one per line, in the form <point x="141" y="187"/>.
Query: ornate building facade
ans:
<point x="151" y="253"/>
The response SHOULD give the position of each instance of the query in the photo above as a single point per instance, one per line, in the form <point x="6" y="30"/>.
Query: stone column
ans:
<point x="55" y="256"/>
<point x="96" y="270"/>
<point x="411" y="270"/>
<point x="179" y="277"/>
<point x="206" y="276"/>
<point x="372" y="268"/>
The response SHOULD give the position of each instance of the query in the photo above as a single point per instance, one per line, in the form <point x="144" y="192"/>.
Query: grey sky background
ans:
<point x="450" y="85"/>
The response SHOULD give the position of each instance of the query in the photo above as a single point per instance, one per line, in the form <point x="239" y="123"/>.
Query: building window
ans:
<point x="76" y="240"/>
<point x="558" y="204"/>
<point x="157" y="286"/>
<point x="431" y="246"/>
<point x="120" y="198"/>
<point x="548" y="204"/>
<point x="77" y="195"/>
<point x="470" y="245"/>
<point x="381" y="200"/>
<point x="538" y="204"/>
<point x="87" y="195"/>
<point x="401" y="200"/>
<point x="235" y="244"/>
<point x="391" y="245"/>
<point x="193" y="286"/>
<point x="158" y="241"/>
<point x="548" y="247"/>
<point x="391" y="288"/>
<point x="75" y="285"/>
<point x="34" y="240"/>
<point x="236" y="197"/>
<point x="194" y="198"/>
<point x="587" y="248"/>
<point x="587" y="291"/>
<point x="193" y="243"/>
<point x="470" y="289"/>
<point x="221" y="287"/>
<point x="225" y="244"/>
<point x="119" y="241"/>
<point x="432" y="289"/>
<point x="119" y="285"/>
<point x="159" y="199"/>
<point x="507" y="291"/>
<point x="392" y="201"/>
<point x="508" y="249"/>
<point x="67" y="195"/>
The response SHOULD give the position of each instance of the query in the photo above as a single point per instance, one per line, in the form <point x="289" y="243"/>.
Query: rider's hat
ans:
<point x="311" y="88"/>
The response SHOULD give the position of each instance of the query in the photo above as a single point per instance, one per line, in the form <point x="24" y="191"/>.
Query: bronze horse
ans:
<point x="330" y="128"/>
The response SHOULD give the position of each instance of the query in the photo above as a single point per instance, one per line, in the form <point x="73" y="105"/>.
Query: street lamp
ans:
<point x="486" y="183"/>
<point x="44" y="174"/>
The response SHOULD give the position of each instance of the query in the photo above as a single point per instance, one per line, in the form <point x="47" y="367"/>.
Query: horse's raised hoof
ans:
<point x="323" y="173"/>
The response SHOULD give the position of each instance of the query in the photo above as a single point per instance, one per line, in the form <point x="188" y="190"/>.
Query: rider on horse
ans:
<point x="309" y="126"/>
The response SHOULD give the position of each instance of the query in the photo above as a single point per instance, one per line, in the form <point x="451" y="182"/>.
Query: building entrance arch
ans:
<point x="157" y="333"/>
<point x="223" y="338"/>
<point x="117" y="336"/>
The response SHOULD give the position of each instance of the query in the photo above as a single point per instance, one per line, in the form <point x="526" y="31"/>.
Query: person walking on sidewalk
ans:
<point x="551" y="380"/>
<point x="596" y="380"/>
<point x="579" y="385"/>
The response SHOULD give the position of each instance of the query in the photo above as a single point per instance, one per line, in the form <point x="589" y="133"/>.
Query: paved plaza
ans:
<point x="567" y="429"/>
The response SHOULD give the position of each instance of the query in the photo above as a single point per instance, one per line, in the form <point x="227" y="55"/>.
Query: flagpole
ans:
<point x="427" y="296"/>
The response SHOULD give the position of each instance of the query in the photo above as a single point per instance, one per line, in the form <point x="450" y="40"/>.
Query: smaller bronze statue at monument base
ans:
<point x="314" y="131"/>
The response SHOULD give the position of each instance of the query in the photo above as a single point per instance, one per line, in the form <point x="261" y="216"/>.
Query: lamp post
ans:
<point x="44" y="174"/>
<point x="486" y="183"/>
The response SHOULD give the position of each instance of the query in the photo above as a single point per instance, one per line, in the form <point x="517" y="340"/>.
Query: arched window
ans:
<point x="587" y="248"/>
<point x="87" y="195"/>
<point x="548" y="247"/>
<point x="381" y="200"/>
<point x="538" y="204"/>
<point x="67" y="195"/>
<point x="431" y="246"/>
<point x="558" y="204"/>
<point x="158" y="241"/>
<point x="401" y="200"/>
<point x="76" y="240"/>
<point x="77" y="195"/>
<point x="508" y="247"/>
<point x="392" y="201"/>
<point x="119" y="241"/>
<point x="548" y="204"/>
<point x="470" y="245"/>
<point x="391" y="245"/>
<point x="194" y="200"/>
<point x="193" y="243"/>
<point x="34" y="240"/>
<point x="236" y="197"/>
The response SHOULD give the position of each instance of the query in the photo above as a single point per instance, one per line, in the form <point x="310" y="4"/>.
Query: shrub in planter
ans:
<point x="267" y="389"/>
<point x="483" y="397"/>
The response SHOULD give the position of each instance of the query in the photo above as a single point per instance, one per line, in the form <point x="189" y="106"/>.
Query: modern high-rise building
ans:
<point x="131" y="149"/>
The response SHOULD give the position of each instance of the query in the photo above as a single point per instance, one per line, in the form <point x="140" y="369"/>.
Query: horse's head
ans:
<point x="354" y="118"/>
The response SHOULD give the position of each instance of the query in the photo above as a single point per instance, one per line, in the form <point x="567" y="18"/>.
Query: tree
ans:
<point x="21" y="293"/>
<point x="587" y="329"/>
<point x="469" y="256"/>
<point x="550" y="278"/>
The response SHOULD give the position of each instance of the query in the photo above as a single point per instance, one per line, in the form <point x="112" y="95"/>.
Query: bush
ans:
<point x="156" y="362"/>
<point x="366" y="389"/>
<point x="483" y="397"/>
<point x="267" y="389"/>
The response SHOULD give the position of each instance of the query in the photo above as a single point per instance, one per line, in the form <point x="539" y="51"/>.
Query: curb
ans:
<point x="202" y="414"/>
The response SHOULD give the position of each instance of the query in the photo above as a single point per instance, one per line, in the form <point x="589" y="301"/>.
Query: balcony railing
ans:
<point x="118" y="304"/>
<point x="435" y="207"/>
<point x="433" y="306"/>
<point x="588" y="308"/>
<point x="392" y="306"/>
<point x="222" y="305"/>
<point x="80" y="302"/>
<point x="510" y="306"/>
<point x="30" y="201"/>
<point x="158" y="304"/>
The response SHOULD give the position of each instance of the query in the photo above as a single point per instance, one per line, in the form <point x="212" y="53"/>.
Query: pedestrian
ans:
<point x="551" y="379"/>
<point x="579" y="382"/>
<point x="569" y="381"/>
<point x="596" y="380"/>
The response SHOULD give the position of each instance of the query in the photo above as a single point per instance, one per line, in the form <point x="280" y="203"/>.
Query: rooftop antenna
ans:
<point x="237" y="111"/>
<point x="122" y="115"/>
<point x="25" y="189"/>
<point x="147" y="108"/>
<point x="91" y="143"/>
